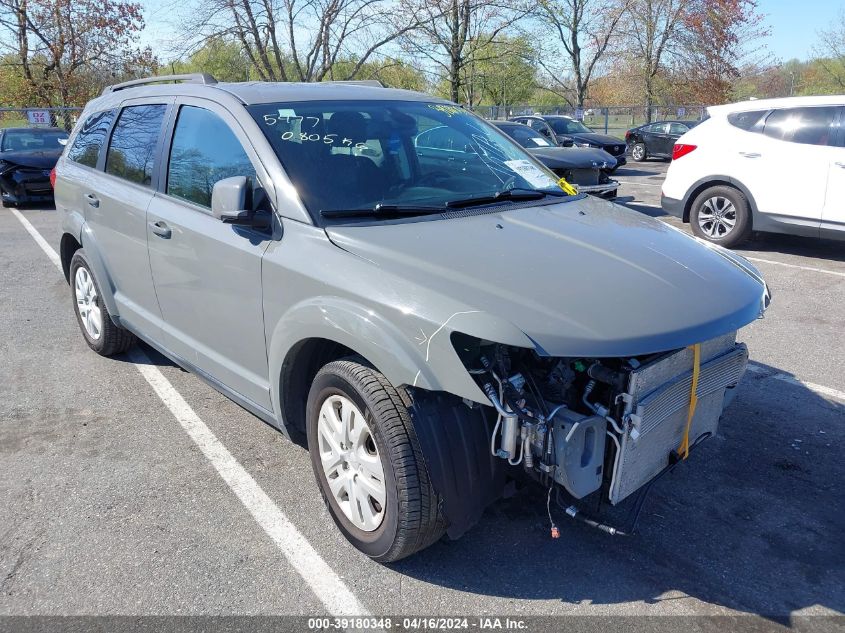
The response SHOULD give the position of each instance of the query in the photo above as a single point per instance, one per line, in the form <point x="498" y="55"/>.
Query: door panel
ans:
<point x="116" y="206"/>
<point x="833" y="214"/>
<point x="786" y="167"/>
<point x="208" y="274"/>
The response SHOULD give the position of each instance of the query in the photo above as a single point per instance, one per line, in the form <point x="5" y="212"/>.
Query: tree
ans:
<point x="718" y="37"/>
<point x="583" y="29"/>
<point x="62" y="47"/>
<point x="222" y="58"/>
<point x="503" y="76"/>
<point x="831" y="52"/>
<point x="455" y="34"/>
<point x="304" y="40"/>
<point x="652" y="31"/>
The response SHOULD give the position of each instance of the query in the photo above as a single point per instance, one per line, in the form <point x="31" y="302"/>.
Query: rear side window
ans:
<point x="91" y="137"/>
<point x="746" y="120"/>
<point x="131" y="154"/>
<point x="204" y="150"/>
<point x="678" y="128"/>
<point x="808" y="126"/>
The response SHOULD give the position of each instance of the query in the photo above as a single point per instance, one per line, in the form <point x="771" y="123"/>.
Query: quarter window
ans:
<point x="808" y="126"/>
<point x="204" y="150"/>
<point x="90" y="138"/>
<point x="745" y="120"/>
<point x="131" y="154"/>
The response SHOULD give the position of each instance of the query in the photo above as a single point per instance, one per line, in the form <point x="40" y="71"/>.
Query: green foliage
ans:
<point x="223" y="59"/>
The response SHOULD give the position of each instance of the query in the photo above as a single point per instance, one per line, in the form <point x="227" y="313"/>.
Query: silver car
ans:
<point x="437" y="319"/>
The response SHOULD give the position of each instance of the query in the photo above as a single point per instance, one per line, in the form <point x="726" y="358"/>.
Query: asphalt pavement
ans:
<point x="114" y="500"/>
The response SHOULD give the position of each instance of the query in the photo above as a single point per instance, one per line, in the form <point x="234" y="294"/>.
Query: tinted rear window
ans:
<point x="89" y="140"/>
<point x="808" y="126"/>
<point x="746" y="120"/>
<point x="133" y="143"/>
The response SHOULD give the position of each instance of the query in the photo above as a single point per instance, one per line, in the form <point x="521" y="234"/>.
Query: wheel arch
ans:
<point x="718" y="181"/>
<point x="323" y="329"/>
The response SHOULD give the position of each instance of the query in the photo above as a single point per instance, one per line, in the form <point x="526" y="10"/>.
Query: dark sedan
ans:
<point x="586" y="168"/>
<point x="27" y="155"/>
<point x="571" y="132"/>
<point x="656" y="140"/>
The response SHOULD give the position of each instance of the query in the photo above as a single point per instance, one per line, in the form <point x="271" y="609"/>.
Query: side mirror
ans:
<point x="566" y="141"/>
<point x="229" y="200"/>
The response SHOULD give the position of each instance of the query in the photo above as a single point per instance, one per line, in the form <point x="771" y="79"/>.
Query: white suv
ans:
<point x="775" y="165"/>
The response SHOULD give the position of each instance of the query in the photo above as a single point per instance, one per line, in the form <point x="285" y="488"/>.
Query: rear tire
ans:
<point x="100" y="332"/>
<point x="638" y="152"/>
<point x="721" y="215"/>
<point x="409" y="519"/>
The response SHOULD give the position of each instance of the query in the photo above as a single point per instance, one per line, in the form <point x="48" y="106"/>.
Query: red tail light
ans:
<point x="680" y="150"/>
<point x="53" y="178"/>
<point x="628" y="135"/>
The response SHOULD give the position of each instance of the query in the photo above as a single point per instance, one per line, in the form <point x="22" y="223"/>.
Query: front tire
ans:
<point x="368" y="462"/>
<point x="721" y="215"/>
<point x="100" y="332"/>
<point x="638" y="152"/>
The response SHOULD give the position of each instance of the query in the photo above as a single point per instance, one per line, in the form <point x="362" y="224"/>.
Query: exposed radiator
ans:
<point x="660" y="394"/>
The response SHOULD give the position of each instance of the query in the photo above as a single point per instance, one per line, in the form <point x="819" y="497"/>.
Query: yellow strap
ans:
<point x="683" y="449"/>
<point x="569" y="189"/>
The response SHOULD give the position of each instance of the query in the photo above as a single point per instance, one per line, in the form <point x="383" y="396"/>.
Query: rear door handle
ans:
<point x="161" y="229"/>
<point x="93" y="200"/>
<point x="750" y="154"/>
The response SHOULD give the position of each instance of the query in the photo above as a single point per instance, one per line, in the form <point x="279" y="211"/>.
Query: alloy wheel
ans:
<point x="351" y="462"/>
<point x="87" y="303"/>
<point x="717" y="217"/>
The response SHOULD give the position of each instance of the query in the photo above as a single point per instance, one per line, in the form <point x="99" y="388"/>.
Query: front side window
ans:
<point x="808" y="126"/>
<point x="204" y="150"/>
<point x="360" y="155"/>
<point x="131" y="153"/>
<point x="91" y="137"/>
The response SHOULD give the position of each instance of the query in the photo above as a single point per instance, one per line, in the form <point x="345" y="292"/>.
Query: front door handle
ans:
<point x="161" y="229"/>
<point x="93" y="200"/>
<point x="750" y="154"/>
<point x="841" y="165"/>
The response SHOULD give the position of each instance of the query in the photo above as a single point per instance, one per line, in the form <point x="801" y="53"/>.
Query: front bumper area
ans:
<point x="604" y="189"/>
<point x="26" y="185"/>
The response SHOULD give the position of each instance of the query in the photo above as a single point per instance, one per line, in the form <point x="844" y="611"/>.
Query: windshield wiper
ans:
<point x="516" y="193"/>
<point x="382" y="210"/>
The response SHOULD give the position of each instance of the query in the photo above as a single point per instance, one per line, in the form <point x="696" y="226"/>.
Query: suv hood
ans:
<point x="574" y="157"/>
<point x="39" y="159"/>
<point x="580" y="278"/>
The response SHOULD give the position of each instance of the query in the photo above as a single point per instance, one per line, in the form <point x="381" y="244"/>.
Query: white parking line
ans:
<point x="323" y="581"/>
<point x="811" y="269"/>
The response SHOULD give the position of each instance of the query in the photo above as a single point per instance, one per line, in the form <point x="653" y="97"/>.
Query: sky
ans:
<point x="794" y="25"/>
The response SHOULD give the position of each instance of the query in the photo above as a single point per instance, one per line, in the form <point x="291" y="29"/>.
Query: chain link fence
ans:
<point x="64" y="118"/>
<point x="613" y="120"/>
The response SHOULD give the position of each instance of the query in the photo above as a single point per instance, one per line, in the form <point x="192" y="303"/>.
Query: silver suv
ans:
<point x="433" y="311"/>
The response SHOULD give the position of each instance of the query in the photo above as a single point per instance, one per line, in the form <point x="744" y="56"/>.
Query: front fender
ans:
<point x="415" y="352"/>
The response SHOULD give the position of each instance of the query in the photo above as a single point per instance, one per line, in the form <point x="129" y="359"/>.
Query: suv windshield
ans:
<point x="568" y="126"/>
<point x="360" y="155"/>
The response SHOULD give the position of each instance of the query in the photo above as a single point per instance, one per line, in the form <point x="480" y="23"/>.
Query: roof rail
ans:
<point x="194" y="78"/>
<point x="357" y="82"/>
